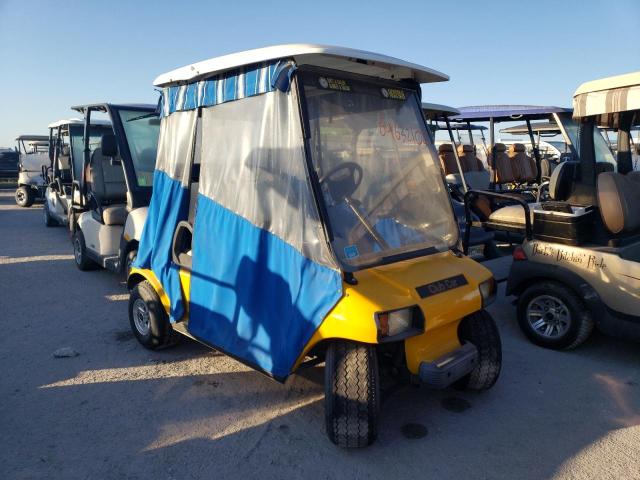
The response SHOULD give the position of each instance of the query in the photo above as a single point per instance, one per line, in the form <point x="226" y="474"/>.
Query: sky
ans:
<point x="57" y="54"/>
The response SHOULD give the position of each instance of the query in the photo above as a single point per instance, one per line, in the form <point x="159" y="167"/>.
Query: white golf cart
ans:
<point x="65" y="166"/>
<point x="579" y="266"/>
<point x="108" y="215"/>
<point x="34" y="155"/>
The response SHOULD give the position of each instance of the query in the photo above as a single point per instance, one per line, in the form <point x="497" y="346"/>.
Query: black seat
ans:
<point x="108" y="187"/>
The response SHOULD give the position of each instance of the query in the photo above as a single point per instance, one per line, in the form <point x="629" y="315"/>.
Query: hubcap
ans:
<point x="77" y="251"/>
<point x="20" y="196"/>
<point x="548" y="316"/>
<point x="141" y="316"/>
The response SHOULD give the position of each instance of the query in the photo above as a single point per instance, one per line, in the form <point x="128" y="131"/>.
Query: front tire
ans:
<point x="48" y="219"/>
<point x="130" y="258"/>
<point x="24" y="197"/>
<point x="480" y="330"/>
<point x="148" y="319"/>
<point x="352" y="394"/>
<point x="83" y="262"/>
<point x="552" y="316"/>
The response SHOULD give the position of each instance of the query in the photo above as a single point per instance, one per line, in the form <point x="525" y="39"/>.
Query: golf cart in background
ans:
<point x="481" y="244"/>
<point x="580" y="264"/>
<point x="114" y="185"/>
<point x="515" y="176"/>
<point x="298" y="217"/>
<point x="66" y="138"/>
<point x="9" y="163"/>
<point x="34" y="155"/>
<point x="553" y="150"/>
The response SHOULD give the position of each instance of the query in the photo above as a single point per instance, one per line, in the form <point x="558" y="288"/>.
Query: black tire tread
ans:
<point x="162" y="334"/>
<point x="481" y="330"/>
<point x="352" y="394"/>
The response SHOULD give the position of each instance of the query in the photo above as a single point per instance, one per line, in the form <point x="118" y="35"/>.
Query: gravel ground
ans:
<point x="119" y="411"/>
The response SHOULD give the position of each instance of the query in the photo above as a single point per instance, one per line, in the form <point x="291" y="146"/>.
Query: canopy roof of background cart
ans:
<point x="436" y="111"/>
<point x="608" y="95"/>
<point x="550" y="128"/>
<point x="33" y="138"/>
<point x="483" y="113"/>
<point x="77" y="121"/>
<point x="337" y="58"/>
<point x="104" y="106"/>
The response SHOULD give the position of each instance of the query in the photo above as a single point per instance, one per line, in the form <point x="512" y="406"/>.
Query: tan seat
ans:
<point x="501" y="163"/>
<point x="447" y="159"/>
<point x="468" y="159"/>
<point x="512" y="214"/>
<point x="114" y="214"/>
<point x="618" y="198"/>
<point x="523" y="166"/>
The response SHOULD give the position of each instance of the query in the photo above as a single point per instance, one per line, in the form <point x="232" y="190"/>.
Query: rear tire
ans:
<point x="352" y="394"/>
<point x="83" y="262"/>
<point x="149" y="320"/>
<point x="480" y="330"/>
<point x="24" y="197"/>
<point x="553" y="304"/>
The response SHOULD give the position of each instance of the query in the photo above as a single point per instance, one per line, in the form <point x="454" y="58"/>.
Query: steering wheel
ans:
<point x="342" y="186"/>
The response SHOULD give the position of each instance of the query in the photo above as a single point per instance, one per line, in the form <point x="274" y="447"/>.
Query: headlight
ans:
<point x="488" y="291"/>
<point x="398" y="324"/>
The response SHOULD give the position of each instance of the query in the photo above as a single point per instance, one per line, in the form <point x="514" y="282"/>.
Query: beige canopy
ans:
<point x="607" y="95"/>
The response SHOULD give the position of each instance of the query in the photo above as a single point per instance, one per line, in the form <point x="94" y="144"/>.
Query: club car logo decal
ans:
<point x="441" y="286"/>
<point x="561" y="255"/>
<point x="334" y="84"/>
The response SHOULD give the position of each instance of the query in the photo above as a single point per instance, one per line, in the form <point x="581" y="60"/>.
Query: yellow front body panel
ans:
<point x="391" y="287"/>
<point x="386" y="288"/>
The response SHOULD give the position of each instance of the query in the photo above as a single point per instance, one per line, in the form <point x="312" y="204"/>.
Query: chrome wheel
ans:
<point x="20" y="196"/>
<point x="141" y="317"/>
<point x="77" y="250"/>
<point x="548" y="316"/>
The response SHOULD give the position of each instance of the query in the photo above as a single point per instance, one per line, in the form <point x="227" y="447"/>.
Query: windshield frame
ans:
<point x="412" y="87"/>
<point x="140" y="195"/>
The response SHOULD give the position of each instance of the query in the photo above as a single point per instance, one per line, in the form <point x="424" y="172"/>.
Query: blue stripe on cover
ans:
<point x="229" y="86"/>
<point x="169" y="205"/>
<point x="252" y="294"/>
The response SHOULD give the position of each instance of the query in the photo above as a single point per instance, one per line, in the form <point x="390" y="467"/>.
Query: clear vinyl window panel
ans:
<point x="253" y="164"/>
<point x="378" y="170"/>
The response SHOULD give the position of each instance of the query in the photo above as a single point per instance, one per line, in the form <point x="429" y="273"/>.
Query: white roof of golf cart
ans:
<point x="77" y="121"/>
<point x="33" y="138"/>
<point x="337" y="58"/>
<point x="607" y="95"/>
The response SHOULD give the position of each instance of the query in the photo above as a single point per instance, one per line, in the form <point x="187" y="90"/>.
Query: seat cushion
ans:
<point x="618" y="198"/>
<point x="512" y="214"/>
<point x="114" y="214"/>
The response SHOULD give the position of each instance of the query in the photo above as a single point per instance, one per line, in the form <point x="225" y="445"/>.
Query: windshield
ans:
<point x="379" y="172"/>
<point x="141" y="129"/>
<point x="601" y="148"/>
<point x="77" y="144"/>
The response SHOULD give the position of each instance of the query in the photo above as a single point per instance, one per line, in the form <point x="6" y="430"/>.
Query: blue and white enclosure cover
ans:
<point x="262" y="276"/>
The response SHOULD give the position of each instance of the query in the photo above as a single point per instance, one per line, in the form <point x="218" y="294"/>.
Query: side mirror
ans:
<point x="109" y="145"/>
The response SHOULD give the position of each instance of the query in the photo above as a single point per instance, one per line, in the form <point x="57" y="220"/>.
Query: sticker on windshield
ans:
<point x="393" y="93"/>
<point x="334" y="84"/>
<point x="351" y="251"/>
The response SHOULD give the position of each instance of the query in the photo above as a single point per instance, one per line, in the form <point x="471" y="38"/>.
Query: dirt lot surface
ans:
<point x="119" y="411"/>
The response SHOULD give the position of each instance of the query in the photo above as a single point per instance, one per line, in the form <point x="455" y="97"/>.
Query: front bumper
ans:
<point x="445" y="370"/>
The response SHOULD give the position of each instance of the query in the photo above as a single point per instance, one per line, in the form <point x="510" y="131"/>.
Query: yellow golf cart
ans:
<point x="299" y="216"/>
